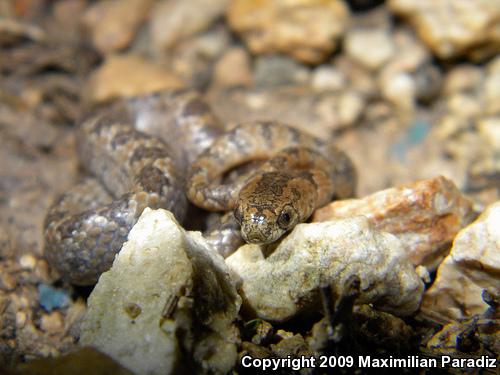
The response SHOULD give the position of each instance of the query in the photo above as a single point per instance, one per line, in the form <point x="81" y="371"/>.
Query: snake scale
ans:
<point x="158" y="150"/>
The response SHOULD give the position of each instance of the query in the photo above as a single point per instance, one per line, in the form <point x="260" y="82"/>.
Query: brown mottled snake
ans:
<point x="152" y="151"/>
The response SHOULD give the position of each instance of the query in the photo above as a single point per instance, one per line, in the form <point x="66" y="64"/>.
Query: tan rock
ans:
<point x="452" y="28"/>
<point x="175" y="20"/>
<point x="286" y="282"/>
<point x="128" y="75"/>
<point x="307" y="30"/>
<point x="167" y="293"/>
<point x="52" y="323"/>
<point x="369" y="47"/>
<point x="425" y="216"/>
<point x="233" y="69"/>
<point x="473" y="265"/>
<point x="113" y="23"/>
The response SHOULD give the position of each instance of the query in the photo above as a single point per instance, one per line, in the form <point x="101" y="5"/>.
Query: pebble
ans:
<point x="399" y="88"/>
<point x="315" y="112"/>
<point x="175" y="20"/>
<point x="465" y="77"/>
<point x="170" y="293"/>
<point x="371" y="48"/>
<point x="51" y="298"/>
<point x="27" y="261"/>
<point x="128" y="75"/>
<point x="307" y="30"/>
<point x="454" y="28"/>
<point x="279" y="70"/>
<point x="326" y="77"/>
<point x="194" y="59"/>
<point x="472" y="265"/>
<point x="285" y="283"/>
<point x="425" y="216"/>
<point x="113" y="23"/>
<point x="233" y="69"/>
<point x="52" y="323"/>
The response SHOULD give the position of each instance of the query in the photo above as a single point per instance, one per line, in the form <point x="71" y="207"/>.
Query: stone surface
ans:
<point x="233" y="69"/>
<point x="279" y="70"/>
<point x="175" y="20"/>
<point x="286" y="283"/>
<point x="194" y="58"/>
<point x="473" y="265"/>
<point x="128" y="75"/>
<point x="326" y="77"/>
<point x="453" y="28"/>
<point x="369" y="47"/>
<point x="425" y="216"/>
<point x="316" y="112"/>
<point x="113" y="23"/>
<point x="307" y="30"/>
<point x="169" y="292"/>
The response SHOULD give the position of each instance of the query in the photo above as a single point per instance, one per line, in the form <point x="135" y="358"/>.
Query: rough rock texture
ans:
<point x="452" y="28"/>
<point x="473" y="265"/>
<point x="169" y="292"/>
<point x="304" y="29"/>
<point x="113" y="23"/>
<point x="315" y="255"/>
<point x="175" y="20"/>
<point x="425" y="216"/>
<point x="128" y="75"/>
<point x="369" y="47"/>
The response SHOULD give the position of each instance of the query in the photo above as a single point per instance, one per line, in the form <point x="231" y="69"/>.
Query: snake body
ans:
<point x="301" y="173"/>
<point x="87" y="225"/>
<point x="154" y="150"/>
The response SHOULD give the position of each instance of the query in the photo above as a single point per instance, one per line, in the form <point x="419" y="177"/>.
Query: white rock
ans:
<point x="370" y="47"/>
<point x="175" y="20"/>
<point x="473" y="265"/>
<point x="399" y="88"/>
<point x="319" y="254"/>
<point x="326" y="77"/>
<point x="425" y="215"/>
<point x="166" y="292"/>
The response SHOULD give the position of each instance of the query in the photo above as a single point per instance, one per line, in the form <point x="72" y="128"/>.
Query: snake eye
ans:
<point x="286" y="218"/>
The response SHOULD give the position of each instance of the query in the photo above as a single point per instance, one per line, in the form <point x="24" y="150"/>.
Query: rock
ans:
<point x="285" y="283"/>
<point x="454" y="28"/>
<point x="194" y="58"/>
<point x="307" y="30"/>
<point x="167" y="292"/>
<point x="492" y="87"/>
<point x="318" y="113"/>
<point x="425" y="216"/>
<point x="233" y="69"/>
<point x="127" y="75"/>
<point x="52" y="323"/>
<point x="470" y="336"/>
<point x="463" y="77"/>
<point x="176" y="20"/>
<point x="326" y="77"/>
<point x="409" y="74"/>
<point x="369" y="47"/>
<point x="276" y="70"/>
<point x="473" y="265"/>
<point x="113" y="23"/>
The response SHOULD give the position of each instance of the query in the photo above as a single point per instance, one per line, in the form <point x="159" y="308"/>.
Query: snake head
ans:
<point x="265" y="208"/>
<point x="264" y="226"/>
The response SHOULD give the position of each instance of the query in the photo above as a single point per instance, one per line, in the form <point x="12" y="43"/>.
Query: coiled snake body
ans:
<point x="87" y="226"/>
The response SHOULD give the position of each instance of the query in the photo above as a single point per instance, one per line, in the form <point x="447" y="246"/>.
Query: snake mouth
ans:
<point x="258" y="238"/>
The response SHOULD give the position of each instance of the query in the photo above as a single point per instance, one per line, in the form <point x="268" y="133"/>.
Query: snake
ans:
<point x="168" y="150"/>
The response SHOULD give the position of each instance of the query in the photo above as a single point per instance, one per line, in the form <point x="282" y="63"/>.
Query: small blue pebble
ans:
<point x="51" y="298"/>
